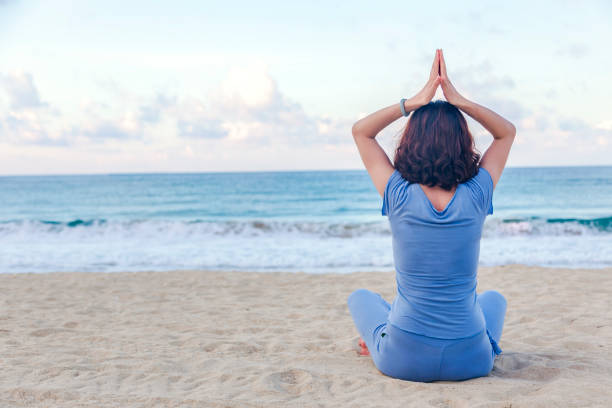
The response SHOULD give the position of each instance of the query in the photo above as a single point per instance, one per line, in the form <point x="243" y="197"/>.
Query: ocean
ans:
<point x="313" y="221"/>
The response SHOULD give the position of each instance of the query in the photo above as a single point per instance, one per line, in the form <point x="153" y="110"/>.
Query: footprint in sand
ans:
<point x="292" y="381"/>
<point x="534" y="367"/>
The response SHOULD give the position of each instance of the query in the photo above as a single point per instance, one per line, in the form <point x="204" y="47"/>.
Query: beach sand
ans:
<point x="240" y="339"/>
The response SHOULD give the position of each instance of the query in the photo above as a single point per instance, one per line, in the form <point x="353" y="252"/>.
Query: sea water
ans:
<point x="319" y="221"/>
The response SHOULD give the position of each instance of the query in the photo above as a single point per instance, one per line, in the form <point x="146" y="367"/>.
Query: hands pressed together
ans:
<point x="376" y="160"/>
<point x="438" y="77"/>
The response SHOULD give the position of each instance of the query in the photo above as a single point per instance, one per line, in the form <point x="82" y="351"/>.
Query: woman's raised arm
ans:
<point x="502" y="130"/>
<point x="365" y="130"/>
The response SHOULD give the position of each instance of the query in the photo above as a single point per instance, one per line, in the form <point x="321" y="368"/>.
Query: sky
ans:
<point x="189" y="86"/>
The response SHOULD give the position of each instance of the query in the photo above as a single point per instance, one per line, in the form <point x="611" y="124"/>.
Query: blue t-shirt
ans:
<point x="436" y="256"/>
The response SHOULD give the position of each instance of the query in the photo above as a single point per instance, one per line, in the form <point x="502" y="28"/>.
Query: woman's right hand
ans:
<point x="425" y="95"/>
<point x="502" y="130"/>
<point x="450" y="93"/>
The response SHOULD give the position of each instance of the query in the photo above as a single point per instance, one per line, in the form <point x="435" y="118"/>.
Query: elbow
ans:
<point x="508" y="133"/>
<point x="355" y="130"/>
<point x="511" y="131"/>
<point x="359" y="132"/>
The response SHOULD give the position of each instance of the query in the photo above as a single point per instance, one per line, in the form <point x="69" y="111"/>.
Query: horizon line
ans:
<point x="255" y="171"/>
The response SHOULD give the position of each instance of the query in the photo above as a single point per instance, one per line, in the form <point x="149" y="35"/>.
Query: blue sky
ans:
<point x="97" y="87"/>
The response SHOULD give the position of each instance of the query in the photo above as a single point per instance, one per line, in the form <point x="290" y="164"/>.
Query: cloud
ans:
<point x="575" y="50"/>
<point x="151" y="112"/>
<point x="248" y="115"/>
<point x="212" y="129"/>
<point x="246" y="108"/>
<point x="480" y="79"/>
<point x="605" y="125"/>
<point x="21" y="91"/>
<point x="535" y="122"/>
<point x="30" y="121"/>
<point x="572" y="125"/>
<point x="553" y="135"/>
<point x="26" y="128"/>
<point x="103" y="130"/>
<point x="26" y="118"/>
<point x="252" y="108"/>
<point x="543" y="130"/>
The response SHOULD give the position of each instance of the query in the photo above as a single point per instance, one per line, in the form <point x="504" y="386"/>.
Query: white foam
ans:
<point x="312" y="246"/>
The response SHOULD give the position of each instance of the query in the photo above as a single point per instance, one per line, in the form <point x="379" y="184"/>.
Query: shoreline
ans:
<point x="281" y="339"/>
<point x="305" y="272"/>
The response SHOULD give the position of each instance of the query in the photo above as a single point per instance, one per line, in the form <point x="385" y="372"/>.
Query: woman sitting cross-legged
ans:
<point x="436" y="195"/>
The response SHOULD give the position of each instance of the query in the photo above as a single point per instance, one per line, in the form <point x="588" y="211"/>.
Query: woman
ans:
<point x="436" y="195"/>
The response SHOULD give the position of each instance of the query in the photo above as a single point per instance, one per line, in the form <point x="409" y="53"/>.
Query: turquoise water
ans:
<point x="318" y="221"/>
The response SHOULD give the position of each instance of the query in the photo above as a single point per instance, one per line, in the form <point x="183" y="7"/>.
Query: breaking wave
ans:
<point x="133" y="229"/>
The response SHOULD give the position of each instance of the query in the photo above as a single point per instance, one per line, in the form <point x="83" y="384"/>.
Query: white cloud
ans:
<point x="246" y="122"/>
<point x="605" y="125"/>
<point x="20" y="90"/>
<point x="542" y="132"/>
<point x="247" y="107"/>
<point x="249" y="86"/>
<point x="26" y="119"/>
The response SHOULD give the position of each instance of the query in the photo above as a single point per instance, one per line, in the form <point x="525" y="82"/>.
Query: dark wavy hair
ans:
<point x="437" y="148"/>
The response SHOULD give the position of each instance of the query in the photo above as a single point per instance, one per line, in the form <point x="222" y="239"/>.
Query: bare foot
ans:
<point x="363" y="348"/>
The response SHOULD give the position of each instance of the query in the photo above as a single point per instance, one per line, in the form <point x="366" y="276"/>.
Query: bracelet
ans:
<point x="403" y="107"/>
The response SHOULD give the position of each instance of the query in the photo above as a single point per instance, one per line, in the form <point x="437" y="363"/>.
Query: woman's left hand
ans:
<point x="429" y="90"/>
<point x="365" y="130"/>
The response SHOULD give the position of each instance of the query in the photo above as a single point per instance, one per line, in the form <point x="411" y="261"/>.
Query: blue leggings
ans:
<point x="409" y="356"/>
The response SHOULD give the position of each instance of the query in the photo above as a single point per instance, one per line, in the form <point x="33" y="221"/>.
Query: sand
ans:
<point x="240" y="339"/>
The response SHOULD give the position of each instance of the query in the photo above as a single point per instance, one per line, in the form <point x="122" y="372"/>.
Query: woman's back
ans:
<point x="436" y="256"/>
<point x="438" y="327"/>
